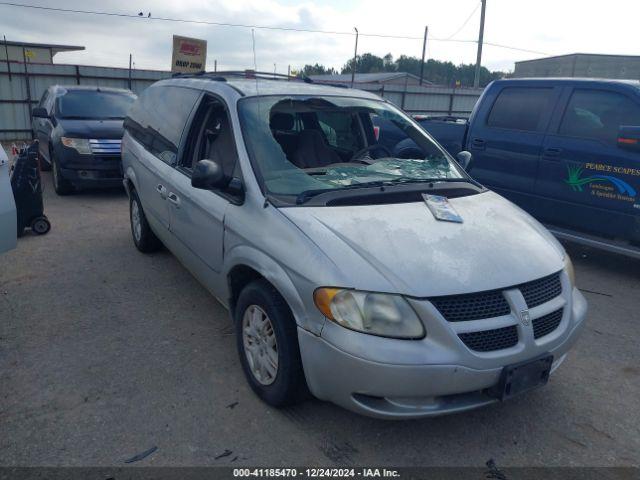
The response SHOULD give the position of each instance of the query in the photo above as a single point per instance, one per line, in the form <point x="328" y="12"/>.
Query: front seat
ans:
<point x="223" y="148"/>
<point x="313" y="151"/>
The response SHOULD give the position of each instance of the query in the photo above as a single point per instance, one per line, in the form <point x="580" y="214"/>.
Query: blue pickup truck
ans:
<point x="565" y="150"/>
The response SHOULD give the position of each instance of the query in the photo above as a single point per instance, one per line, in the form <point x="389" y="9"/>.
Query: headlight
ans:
<point x="79" y="144"/>
<point x="374" y="313"/>
<point x="568" y="266"/>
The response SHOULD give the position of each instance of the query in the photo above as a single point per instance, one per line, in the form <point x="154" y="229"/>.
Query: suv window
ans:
<point x="211" y="137"/>
<point x="157" y="120"/>
<point x="43" y="100"/>
<point x="598" y="114"/>
<point x="520" y="108"/>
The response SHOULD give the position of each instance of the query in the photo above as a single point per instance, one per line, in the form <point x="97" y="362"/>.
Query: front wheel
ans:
<point x="61" y="185"/>
<point x="267" y="341"/>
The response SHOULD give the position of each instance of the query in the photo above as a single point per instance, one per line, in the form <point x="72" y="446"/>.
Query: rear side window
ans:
<point x="520" y="108"/>
<point x="598" y="115"/>
<point x="158" y="119"/>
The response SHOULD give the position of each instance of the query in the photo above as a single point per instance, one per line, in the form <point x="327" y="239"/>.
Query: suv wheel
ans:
<point x="143" y="237"/>
<point x="267" y="341"/>
<point x="61" y="185"/>
<point x="44" y="165"/>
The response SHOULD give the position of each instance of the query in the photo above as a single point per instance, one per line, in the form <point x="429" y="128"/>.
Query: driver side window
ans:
<point x="211" y="138"/>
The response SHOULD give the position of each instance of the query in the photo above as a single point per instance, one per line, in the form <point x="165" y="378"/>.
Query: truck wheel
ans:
<point x="267" y="341"/>
<point x="61" y="185"/>
<point x="143" y="237"/>
<point x="40" y="225"/>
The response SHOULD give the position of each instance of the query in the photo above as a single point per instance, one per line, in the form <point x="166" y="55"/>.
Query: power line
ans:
<point x="464" y="24"/>
<point x="262" y="27"/>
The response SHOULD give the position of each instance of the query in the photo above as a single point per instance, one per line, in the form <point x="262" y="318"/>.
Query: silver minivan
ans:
<point x="370" y="271"/>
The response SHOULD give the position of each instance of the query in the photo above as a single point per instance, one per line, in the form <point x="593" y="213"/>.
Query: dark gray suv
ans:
<point x="79" y="129"/>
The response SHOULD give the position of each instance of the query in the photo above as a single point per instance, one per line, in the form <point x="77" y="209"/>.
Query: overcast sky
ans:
<point x="552" y="27"/>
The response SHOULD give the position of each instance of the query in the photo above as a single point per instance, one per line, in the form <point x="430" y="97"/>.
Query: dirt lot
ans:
<point x="105" y="353"/>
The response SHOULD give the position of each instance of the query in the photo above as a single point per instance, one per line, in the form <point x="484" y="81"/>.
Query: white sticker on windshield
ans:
<point x="441" y="208"/>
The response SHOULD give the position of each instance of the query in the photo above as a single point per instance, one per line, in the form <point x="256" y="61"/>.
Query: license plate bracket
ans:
<point x="521" y="377"/>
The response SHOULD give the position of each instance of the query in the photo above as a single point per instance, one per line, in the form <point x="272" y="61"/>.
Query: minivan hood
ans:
<point x="92" y="128"/>
<point x="402" y="248"/>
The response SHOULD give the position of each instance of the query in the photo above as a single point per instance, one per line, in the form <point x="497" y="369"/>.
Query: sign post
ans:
<point x="189" y="55"/>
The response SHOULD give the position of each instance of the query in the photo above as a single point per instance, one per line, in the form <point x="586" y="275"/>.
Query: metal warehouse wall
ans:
<point x="20" y="91"/>
<point x="581" y="65"/>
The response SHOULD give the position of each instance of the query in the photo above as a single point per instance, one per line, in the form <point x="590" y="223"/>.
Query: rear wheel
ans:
<point x="143" y="237"/>
<point x="61" y="185"/>
<point x="267" y="341"/>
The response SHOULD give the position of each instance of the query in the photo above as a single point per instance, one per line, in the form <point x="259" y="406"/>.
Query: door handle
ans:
<point x="478" y="144"/>
<point x="173" y="198"/>
<point x="162" y="190"/>
<point x="552" y="153"/>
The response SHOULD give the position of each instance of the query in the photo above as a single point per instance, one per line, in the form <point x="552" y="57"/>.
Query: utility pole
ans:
<point x="424" y="49"/>
<point x="355" y="60"/>
<point x="476" y="79"/>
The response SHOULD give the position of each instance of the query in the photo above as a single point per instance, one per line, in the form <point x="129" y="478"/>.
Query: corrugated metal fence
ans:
<point x="21" y="90"/>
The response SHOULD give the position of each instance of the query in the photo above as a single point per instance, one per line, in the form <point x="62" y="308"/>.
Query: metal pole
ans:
<point x="476" y="79"/>
<point x="26" y="79"/>
<point x="6" y="51"/>
<point x="215" y="65"/>
<point x="355" y="59"/>
<point x="424" y="49"/>
<point x="130" y="60"/>
<point x="288" y="72"/>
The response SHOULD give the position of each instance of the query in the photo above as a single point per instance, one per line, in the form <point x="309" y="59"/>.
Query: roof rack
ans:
<point x="252" y="74"/>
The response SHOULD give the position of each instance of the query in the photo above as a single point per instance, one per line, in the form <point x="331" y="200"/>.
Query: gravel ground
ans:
<point x="106" y="353"/>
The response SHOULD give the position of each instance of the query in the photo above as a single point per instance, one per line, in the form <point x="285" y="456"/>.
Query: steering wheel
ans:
<point x="359" y="155"/>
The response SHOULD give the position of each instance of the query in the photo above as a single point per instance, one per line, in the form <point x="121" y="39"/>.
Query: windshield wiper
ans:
<point x="400" y="181"/>
<point x="304" y="196"/>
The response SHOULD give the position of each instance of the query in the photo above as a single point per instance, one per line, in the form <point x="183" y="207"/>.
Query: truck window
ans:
<point x="520" y="108"/>
<point x="598" y="115"/>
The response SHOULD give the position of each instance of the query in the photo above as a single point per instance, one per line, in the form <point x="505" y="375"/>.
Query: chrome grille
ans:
<point x="546" y="324"/>
<point x="103" y="146"/>
<point x="490" y="340"/>
<point x="473" y="306"/>
<point x="541" y="291"/>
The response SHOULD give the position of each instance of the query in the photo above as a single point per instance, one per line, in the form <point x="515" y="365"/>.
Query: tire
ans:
<point x="44" y="165"/>
<point x="287" y="385"/>
<point x="40" y="225"/>
<point x="143" y="237"/>
<point x="61" y="185"/>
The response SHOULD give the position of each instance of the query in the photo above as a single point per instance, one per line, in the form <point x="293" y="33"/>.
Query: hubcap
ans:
<point x="136" y="227"/>
<point x="260" y="346"/>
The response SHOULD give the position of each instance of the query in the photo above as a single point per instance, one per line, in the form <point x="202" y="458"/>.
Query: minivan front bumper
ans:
<point x="418" y="386"/>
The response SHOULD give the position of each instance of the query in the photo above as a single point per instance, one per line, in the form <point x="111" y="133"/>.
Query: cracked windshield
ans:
<point x="303" y="144"/>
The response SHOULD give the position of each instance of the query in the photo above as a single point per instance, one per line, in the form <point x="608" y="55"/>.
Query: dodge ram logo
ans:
<point x="525" y="318"/>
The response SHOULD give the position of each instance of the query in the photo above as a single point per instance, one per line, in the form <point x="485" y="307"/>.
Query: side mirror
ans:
<point x="465" y="159"/>
<point x="208" y="175"/>
<point x="629" y="138"/>
<point x="40" y="112"/>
